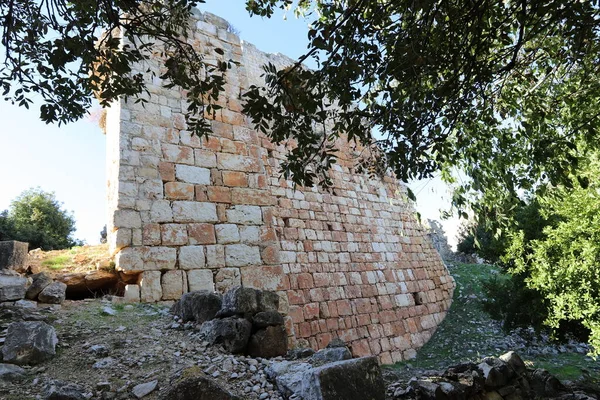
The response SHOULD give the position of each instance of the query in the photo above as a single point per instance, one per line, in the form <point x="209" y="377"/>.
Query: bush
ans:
<point x="36" y="217"/>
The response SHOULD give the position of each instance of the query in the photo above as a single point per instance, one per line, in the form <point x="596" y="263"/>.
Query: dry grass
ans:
<point x="76" y="259"/>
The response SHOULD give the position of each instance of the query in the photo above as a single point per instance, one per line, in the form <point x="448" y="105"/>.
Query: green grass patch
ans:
<point x="58" y="262"/>
<point x="567" y="366"/>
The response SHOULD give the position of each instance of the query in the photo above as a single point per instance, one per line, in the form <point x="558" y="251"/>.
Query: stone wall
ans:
<point x="189" y="213"/>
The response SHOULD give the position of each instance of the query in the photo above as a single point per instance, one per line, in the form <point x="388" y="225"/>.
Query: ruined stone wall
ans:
<point x="191" y="213"/>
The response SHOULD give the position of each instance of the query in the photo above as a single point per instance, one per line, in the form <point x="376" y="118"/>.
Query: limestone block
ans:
<point x="179" y="191"/>
<point x="191" y="174"/>
<point x="191" y="257"/>
<point x="127" y="219"/>
<point x="201" y="234"/>
<point x="160" y="258"/>
<point x="204" y="158"/>
<point x="152" y="189"/>
<point x="13" y="255"/>
<point x="122" y="238"/>
<point x="178" y="154"/>
<point x="129" y="259"/>
<point x="215" y="256"/>
<point x="150" y="287"/>
<point x="174" y="234"/>
<point x="239" y="255"/>
<point x="226" y="278"/>
<point x="191" y="211"/>
<point x="404" y="300"/>
<point x="132" y="294"/>
<point x="200" y="279"/>
<point x="161" y="211"/>
<point x="245" y="215"/>
<point x="234" y="162"/>
<point x="249" y="234"/>
<point x="151" y="235"/>
<point x="173" y="285"/>
<point x="265" y="277"/>
<point x="227" y="233"/>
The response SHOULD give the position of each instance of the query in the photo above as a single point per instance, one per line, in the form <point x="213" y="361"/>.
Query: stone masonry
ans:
<point x="189" y="213"/>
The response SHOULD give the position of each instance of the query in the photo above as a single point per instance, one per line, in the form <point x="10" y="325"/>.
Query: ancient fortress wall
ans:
<point x="188" y="213"/>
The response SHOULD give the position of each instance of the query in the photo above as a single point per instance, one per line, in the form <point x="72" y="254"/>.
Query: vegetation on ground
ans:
<point x="468" y="334"/>
<point x="76" y="259"/>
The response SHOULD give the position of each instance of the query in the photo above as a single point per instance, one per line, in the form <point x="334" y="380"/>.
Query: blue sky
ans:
<point x="70" y="160"/>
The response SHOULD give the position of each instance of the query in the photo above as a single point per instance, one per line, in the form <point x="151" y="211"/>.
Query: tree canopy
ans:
<point x="501" y="91"/>
<point x="37" y="217"/>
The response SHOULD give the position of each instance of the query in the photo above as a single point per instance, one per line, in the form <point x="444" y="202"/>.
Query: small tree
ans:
<point x="37" y="217"/>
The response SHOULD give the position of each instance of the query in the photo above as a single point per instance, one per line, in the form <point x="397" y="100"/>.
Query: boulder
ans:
<point x="515" y="362"/>
<point x="332" y="354"/>
<point x="30" y="342"/>
<point x="267" y="318"/>
<point x="144" y="389"/>
<point x="358" y="378"/>
<point x="54" y="293"/>
<point x="197" y="387"/>
<point x="239" y="301"/>
<point x="232" y="333"/>
<point x="57" y="390"/>
<point x="269" y="342"/>
<point x="267" y="301"/>
<point x="40" y="281"/>
<point x="544" y="384"/>
<point x="199" y="306"/>
<point x="11" y="373"/>
<point x="80" y="284"/>
<point x="13" y="255"/>
<point x="495" y="372"/>
<point x="298" y="353"/>
<point x="12" y="287"/>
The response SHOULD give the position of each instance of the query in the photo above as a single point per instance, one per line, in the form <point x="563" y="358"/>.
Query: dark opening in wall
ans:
<point x="418" y="298"/>
<point x="286" y="222"/>
<point x="330" y="227"/>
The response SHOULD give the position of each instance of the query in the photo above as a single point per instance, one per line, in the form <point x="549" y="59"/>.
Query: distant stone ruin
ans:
<point x="190" y="213"/>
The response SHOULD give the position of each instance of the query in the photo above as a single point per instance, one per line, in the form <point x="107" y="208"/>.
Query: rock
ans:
<point x="288" y="376"/>
<point x="267" y="301"/>
<point x="299" y="353"/>
<point x="109" y="311"/>
<point x="12" y="287"/>
<point x="267" y="318"/>
<point x="269" y="342"/>
<point x="198" y="387"/>
<point x="99" y="350"/>
<point x="336" y="342"/>
<point x="199" y="306"/>
<point x="13" y="255"/>
<point x="144" y="389"/>
<point x="359" y="378"/>
<point x="57" y="390"/>
<point x="428" y="390"/>
<point x="544" y="384"/>
<point x="232" y="333"/>
<point x="30" y="342"/>
<point x="80" y="284"/>
<point x="106" y="362"/>
<point x="331" y="355"/>
<point x="11" y="373"/>
<point x="54" y="293"/>
<point x="495" y="372"/>
<point x="26" y="304"/>
<point x="514" y="361"/>
<point x="241" y="301"/>
<point x="40" y="281"/>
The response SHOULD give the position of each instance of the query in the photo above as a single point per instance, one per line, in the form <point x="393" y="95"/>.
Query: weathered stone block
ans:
<point x="190" y="211"/>
<point x="174" y="284"/>
<point x="174" y="234"/>
<point x="227" y="278"/>
<point x="268" y="342"/>
<point x="179" y="191"/>
<point x="265" y="277"/>
<point x="192" y="257"/>
<point x="13" y="255"/>
<point x="215" y="256"/>
<point x="200" y="279"/>
<point x="40" y="281"/>
<point x="199" y="306"/>
<point x="191" y="174"/>
<point x="232" y="333"/>
<point x="54" y="293"/>
<point x="234" y="162"/>
<point x="150" y="286"/>
<point x="161" y="211"/>
<point x="245" y="215"/>
<point x="227" y="233"/>
<point x="12" y="287"/>
<point x="132" y="294"/>
<point x="30" y="342"/>
<point x="201" y="234"/>
<point x="239" y="255"/>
